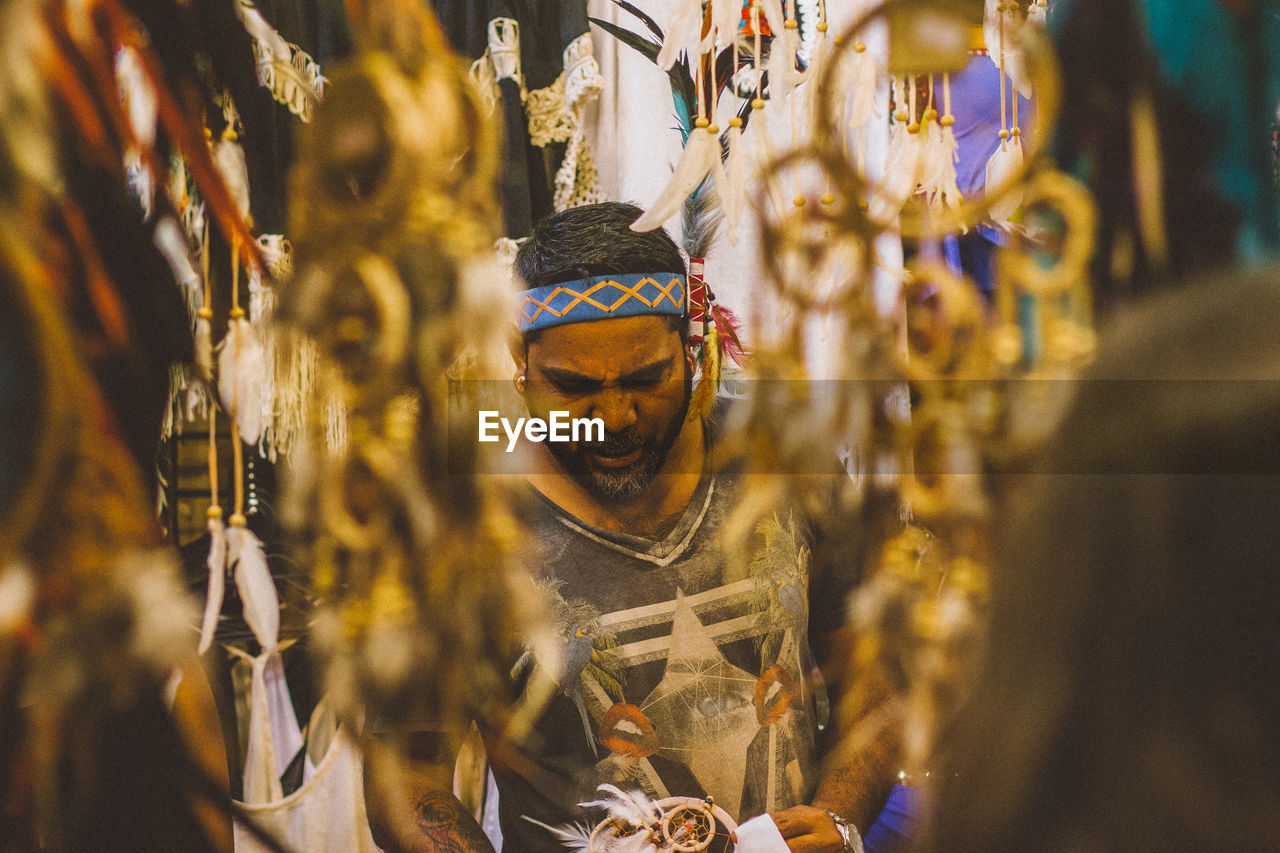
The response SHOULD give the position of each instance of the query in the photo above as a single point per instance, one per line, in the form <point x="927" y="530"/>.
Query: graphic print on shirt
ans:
<point x="585" y="652"/>
<point x="709" y="725"/>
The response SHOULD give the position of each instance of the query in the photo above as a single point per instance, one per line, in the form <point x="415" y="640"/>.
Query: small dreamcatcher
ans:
<point x="636" y="824"/>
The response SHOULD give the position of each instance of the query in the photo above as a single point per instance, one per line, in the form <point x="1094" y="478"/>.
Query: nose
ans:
<point x="616" y="408"/>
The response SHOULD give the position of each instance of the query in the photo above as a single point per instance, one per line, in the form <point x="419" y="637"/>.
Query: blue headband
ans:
<point x="602" y="297"/>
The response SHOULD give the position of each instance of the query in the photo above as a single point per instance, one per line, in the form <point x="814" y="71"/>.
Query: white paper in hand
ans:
<point x="760" y="835"/>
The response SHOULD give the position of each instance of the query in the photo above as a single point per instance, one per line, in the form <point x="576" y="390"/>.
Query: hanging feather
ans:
<point x="169" y="238"/>
<point x="1038" y="14"/>
<point x="228" y="156"/>
<point x="204" y="343"/>
<point x="253" y="580"/>
<point x="948" y="190"/>
<point x="631" y="806"/>
<point x="773" y="14"/>
<point x="1002" y="34"/>
<point x="704" y="397"/>
<point x="698" y="159"/>
<point x="783" y="76"/>
<point x="733" y="196"/>
<point x="684" y="25"/>
<point x="700" y="215"/>
<point x="817" y="67"/>
<point x="217" y="564"/>
<point x="139" y="97"/>
<point x="935" y="157"/>
<point x="866" y="79"/>
<point x="726" y="15"/>
<point x="1002" y="173"/>
<point x="728" y="327"/>
<point x="242" y="368"/>
<point x="901" y="174"/>
<point x="575" y="836"/>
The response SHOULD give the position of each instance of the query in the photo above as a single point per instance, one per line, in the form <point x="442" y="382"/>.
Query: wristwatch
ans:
<point x="848" y="833"/>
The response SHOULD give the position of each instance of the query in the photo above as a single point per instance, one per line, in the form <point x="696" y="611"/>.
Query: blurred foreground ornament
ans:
<point x="940" y="392"/>
<point x="394" y="220"/>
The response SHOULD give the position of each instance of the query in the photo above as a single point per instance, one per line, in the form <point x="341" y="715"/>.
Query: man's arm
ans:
<point x="409" y="798"/>
<point x="860" y="775"/>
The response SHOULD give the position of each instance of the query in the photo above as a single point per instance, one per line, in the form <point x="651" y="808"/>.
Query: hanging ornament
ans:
<point x="902" y="167"/>
<point x="783" y="76"/>
<point x="1005" y="164"/>
<point x="683" y="27"/>
<point x="726" y="15"/>
<point x="1038" y="14"/>
<point x="228" y="157"/>
<point x="217" y="559"/>
<point x="949" y="196"/>
<point x="247" y="559"/>
<point x="701" y="155"/>
<point x="1002" y="33"/>
<point x="242" y="367"/>
<point x="204" y="316"/>
<point x="733" y="197"/>
<point x="942" y="192"/>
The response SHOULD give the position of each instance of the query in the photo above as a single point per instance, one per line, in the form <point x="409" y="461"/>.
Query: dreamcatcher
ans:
<point x="636" y="824"/>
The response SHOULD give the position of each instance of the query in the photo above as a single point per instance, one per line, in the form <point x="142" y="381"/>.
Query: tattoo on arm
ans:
<point x="447" y="827"/>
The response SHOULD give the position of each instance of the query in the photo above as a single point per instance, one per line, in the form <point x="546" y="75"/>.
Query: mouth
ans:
<point x="609" y="460"/>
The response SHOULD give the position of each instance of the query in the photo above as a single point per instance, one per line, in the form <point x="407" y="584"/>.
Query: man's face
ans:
<point x="631" y="372"/>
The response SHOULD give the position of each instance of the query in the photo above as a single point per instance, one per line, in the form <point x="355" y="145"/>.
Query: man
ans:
<point x="683" y="672"/>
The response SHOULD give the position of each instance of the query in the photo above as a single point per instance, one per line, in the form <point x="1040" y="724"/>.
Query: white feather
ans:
<point x="901" y="174"/>
<point x="253" y="580"/>
<point x="685" y="23"/>
<point x="726" y="15"/>
<point x="172" y="243"/>
<point x="139" y="97"/>
<point x="1011" y="55"/>
<point x="783" y="76"/>
<point x="228" y="156"/>
<point x="204" y="347"/>
<point x="866" y="79"/>
<point x="217" y="564"/>
<point x="733" y="196"/>
<point x="1038" y="14"/>
<point x="575" y="836"/>
<point x="774" y="15"/>
<point x="935" y="157"/>
<point x="242" y="370"/>
<point x="631" y="806"/>
<point x="702" y="150"/>
<point x="948" y="191"/>
<point x="1002" y="172"/>
<point x="817" y="67"/>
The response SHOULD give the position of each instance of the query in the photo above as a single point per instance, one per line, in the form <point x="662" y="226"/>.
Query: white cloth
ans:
<point x="327" y="812"/>
<point x="760" y="835"/>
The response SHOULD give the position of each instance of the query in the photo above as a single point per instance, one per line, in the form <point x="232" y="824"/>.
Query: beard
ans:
<point x="617" y="485"/>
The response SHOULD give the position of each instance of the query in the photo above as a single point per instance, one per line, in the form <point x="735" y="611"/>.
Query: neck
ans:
<point x="652" y="513"/>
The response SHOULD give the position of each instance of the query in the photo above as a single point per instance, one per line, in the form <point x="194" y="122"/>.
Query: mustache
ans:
<point x="616" y="444"/>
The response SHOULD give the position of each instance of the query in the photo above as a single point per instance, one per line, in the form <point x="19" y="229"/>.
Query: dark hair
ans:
<point x="596" y="239"/>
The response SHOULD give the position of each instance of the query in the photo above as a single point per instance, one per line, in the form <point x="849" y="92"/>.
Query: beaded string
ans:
<point x="237" y="451"/>
<point x="206" y="313"/>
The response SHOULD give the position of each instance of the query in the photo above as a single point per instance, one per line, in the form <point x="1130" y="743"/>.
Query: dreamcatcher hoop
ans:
<point x="681" y="825"/>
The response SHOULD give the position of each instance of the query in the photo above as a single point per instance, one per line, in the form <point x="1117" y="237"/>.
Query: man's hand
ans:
<point x="807" y="829"/>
